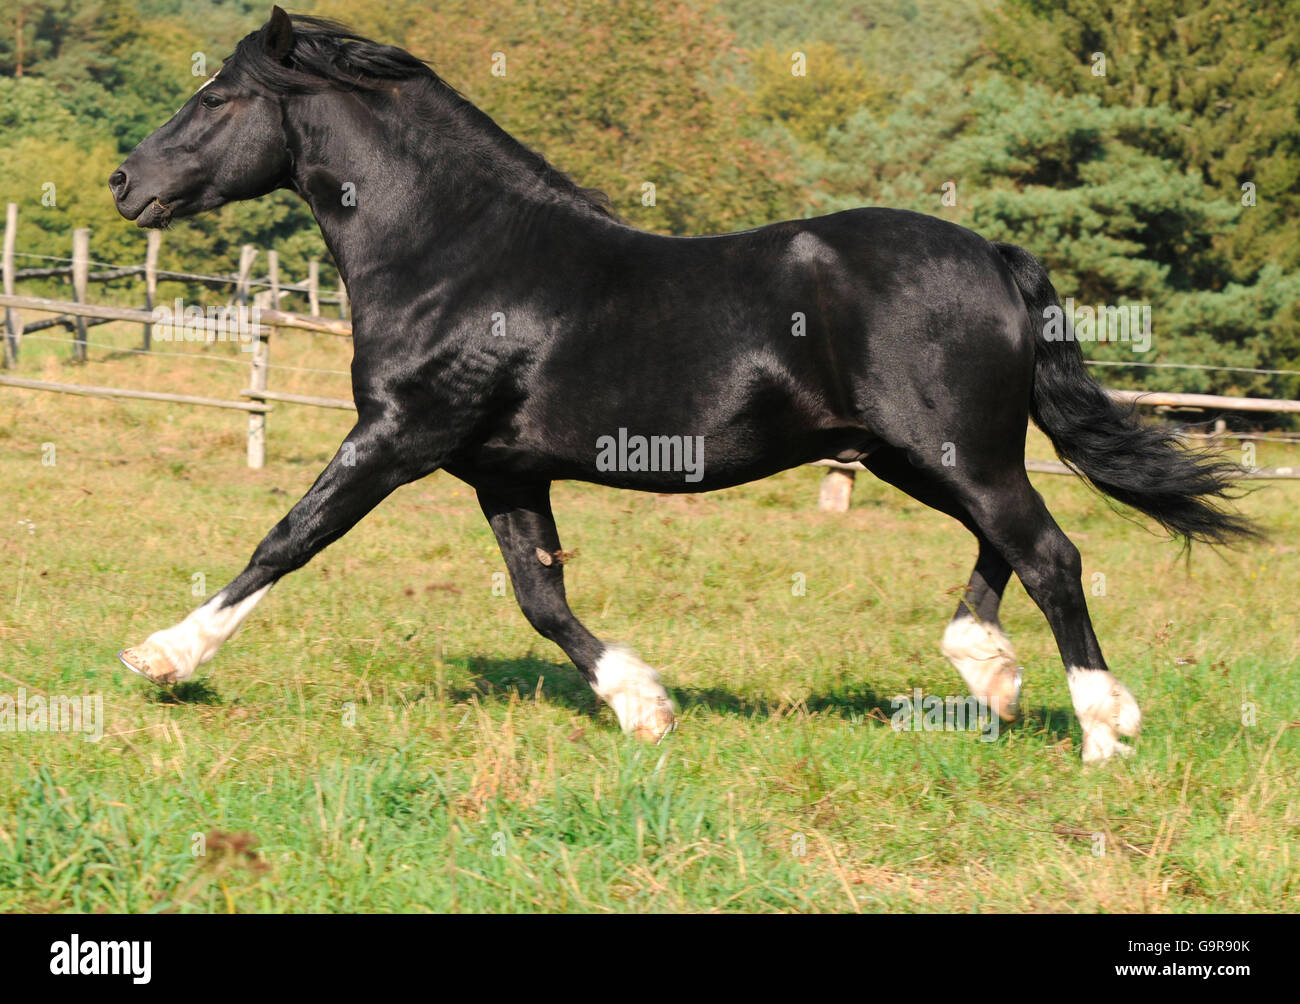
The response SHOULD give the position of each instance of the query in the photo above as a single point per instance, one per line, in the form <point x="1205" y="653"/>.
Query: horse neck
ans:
<point x="429" y="177"/>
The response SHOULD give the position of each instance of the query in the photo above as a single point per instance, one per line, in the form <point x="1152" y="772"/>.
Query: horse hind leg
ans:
<point x="974" y="641"/>
<point x="1016" y="521"/>
<point x="1017" y="533"/>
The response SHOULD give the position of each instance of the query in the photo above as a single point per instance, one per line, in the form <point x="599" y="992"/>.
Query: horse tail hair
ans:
<point x="1139" y="465"/>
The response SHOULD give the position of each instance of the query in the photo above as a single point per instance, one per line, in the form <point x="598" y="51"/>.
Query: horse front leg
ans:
<point x="521" y="518"/>
<point x="368" y="466"/>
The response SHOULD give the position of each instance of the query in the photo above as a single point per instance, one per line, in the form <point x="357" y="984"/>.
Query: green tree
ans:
<point x="618" y="97"/>
<point x="1230" y="65"/>
<point x="1099" y="193"/>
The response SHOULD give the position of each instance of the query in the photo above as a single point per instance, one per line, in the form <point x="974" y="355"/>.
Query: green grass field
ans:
<point x="387" y="734"/>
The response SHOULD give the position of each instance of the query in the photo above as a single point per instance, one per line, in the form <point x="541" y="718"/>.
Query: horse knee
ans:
<point x="1066" y="558"/>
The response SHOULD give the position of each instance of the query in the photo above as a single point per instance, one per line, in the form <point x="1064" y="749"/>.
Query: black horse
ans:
<point x="511" y="330"/>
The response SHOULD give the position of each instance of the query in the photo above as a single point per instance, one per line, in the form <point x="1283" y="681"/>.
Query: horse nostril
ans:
<point x="117" y="183"/>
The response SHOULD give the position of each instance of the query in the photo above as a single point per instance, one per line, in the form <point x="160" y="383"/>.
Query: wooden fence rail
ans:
<point x="267" y="317"/>
<point x="836" y="491"/>
<point x="1212" y="402"/>
<point x="307" y="287"/>
<point x="143" y="395"/>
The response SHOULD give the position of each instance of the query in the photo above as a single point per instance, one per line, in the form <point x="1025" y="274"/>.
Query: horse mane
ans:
<point x="328" y="55"/>
<point x="325" y="54"/>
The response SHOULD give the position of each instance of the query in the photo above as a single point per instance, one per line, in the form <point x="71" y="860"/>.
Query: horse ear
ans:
<point x="279" y="35"/>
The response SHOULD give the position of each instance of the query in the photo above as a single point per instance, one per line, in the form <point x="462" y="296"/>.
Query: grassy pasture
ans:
<point x="389" y="735"/>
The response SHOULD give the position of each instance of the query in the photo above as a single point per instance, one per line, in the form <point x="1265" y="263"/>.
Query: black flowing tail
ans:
<point x="1139" y="465"/>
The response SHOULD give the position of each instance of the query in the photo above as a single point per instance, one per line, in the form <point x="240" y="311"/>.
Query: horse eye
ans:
<point x="212" y="101"/>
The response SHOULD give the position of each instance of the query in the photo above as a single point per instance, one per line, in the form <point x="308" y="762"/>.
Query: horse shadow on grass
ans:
<point x="189" y="692"/>
<point x="561" y="683"/>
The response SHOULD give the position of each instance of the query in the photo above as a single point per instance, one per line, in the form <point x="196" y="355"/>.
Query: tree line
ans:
<point x="1147" y="150"/>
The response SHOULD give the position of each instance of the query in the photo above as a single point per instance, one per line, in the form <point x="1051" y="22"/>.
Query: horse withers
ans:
<point x="510" y="329"/>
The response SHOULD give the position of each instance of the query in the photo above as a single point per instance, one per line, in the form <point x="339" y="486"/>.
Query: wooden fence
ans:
<point x="77" y="269"/>
<point x="836" y="488"/>
<point x="267" y="320"/>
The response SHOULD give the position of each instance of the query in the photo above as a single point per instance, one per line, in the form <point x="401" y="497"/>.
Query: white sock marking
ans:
<point x="196" y="639"/>
<point x="983" y="656"/>
<point x="1106" y="711"/>
<point x="633" y="690"/>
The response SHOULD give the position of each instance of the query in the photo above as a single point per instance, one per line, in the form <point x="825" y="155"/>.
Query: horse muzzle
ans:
<point x="147" y="211"/>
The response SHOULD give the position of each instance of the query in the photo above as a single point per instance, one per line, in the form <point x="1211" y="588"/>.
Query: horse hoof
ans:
<point x="656" y="724"/>
<point x="1004" y="692"/>
<point x="1102" y="744"/>
<point x="150" y="662"/>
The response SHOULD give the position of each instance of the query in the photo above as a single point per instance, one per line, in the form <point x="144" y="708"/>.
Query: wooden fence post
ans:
<point x="313" y="287"/>
<point x="150" y="280"/>
<point x="256" y="382"/>
<point x="13" y="320"/>
<point x="343" y="299"/>
<point x="836" y="491"/>
<point x="273" y="275"/>
<point x="80" y="270"/>
<point x="246" y="255"/>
